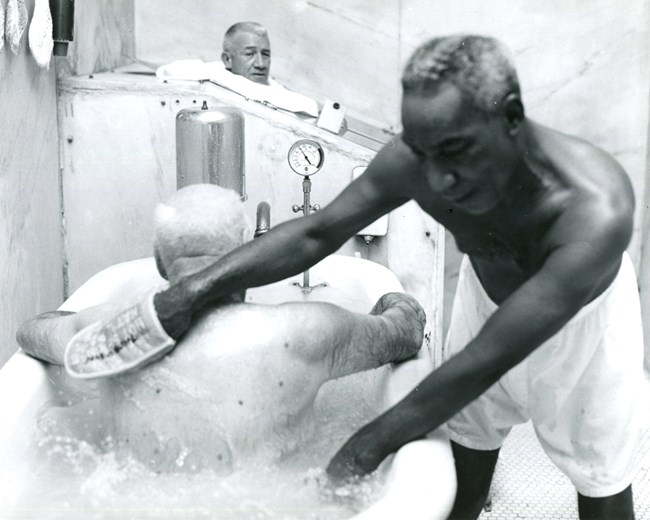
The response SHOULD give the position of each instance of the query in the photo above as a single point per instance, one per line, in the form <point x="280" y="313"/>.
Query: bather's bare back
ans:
<point x="245" y="378"/>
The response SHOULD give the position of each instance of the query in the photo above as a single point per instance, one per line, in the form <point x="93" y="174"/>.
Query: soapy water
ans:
<point x="97" y="484"/>
<point x="79" y="474"/>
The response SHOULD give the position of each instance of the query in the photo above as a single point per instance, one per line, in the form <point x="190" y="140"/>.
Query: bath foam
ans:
<point x="126" y="341"/>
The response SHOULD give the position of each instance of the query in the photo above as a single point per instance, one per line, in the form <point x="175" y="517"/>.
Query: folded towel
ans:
<point x="126" y="341"/>
<point x="273" y="93"/>
<point x="40" y="34"/>
<point x="15" y="23"/>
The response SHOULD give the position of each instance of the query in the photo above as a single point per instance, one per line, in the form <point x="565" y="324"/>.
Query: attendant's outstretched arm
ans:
<point x="287" y="249"/>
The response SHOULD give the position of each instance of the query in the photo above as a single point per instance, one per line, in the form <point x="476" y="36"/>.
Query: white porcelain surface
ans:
<point x="37" y="388"/>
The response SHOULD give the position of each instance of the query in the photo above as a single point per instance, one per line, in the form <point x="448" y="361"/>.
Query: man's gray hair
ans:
<point x="238" y="27"/>
<point x="200" y="219"/>
<point x="480" y="66"/>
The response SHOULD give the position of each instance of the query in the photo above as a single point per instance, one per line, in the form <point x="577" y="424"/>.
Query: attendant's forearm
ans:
<point x="437" y="398"/>
<point x="284" y="251"/>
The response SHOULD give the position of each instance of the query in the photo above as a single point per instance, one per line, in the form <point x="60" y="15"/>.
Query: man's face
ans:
<point x="467" y="156"/>
<point x="249" y="56"/>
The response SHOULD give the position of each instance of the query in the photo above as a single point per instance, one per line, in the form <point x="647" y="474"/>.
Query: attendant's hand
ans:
<point x="360" y="455"/>
<point x="175" y="307"/>
<point x="173" y="310"/>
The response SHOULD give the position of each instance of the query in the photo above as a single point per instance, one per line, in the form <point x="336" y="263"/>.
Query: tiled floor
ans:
<point x="527" y="485"/>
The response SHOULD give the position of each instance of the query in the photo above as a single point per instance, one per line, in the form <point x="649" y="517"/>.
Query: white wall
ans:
<point x="30" y="232"/>
<point x="104" y="37"/>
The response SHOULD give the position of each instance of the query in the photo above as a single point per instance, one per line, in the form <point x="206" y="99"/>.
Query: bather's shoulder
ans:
<point x="290" y="320"/>
<point x="305" y="332"/>
<point x="312" y="331"/>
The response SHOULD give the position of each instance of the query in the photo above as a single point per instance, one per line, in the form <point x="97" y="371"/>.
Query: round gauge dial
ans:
<point x="306" y="157"/>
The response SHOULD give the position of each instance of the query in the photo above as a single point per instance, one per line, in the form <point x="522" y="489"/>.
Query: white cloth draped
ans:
<point x="273" y="94"/>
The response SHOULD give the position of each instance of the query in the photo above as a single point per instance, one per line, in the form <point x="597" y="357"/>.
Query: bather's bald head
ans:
<point x="195" y="225"/>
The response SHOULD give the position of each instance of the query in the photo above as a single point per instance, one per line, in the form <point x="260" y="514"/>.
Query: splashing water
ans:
<point x="78" y="473"/>
<point x="100" y="485"/>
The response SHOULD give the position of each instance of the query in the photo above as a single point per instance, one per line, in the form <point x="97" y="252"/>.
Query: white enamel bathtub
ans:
<point x="52" y="465"/>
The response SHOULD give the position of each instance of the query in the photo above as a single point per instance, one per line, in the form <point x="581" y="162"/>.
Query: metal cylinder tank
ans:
<point x="210" y="148"/>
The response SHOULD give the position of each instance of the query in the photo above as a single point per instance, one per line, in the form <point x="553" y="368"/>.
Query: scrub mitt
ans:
<point x="40" y="34"/>
<point x="126" y="341"/>
<point x="15" y="23"/>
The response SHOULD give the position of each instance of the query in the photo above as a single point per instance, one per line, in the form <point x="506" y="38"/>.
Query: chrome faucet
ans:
<point x="263" y="219"/>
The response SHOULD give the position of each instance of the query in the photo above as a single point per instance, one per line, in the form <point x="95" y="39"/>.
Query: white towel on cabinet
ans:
<point x="40" y="34"/>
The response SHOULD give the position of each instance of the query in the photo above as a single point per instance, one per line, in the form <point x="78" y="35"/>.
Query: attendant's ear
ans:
<point x="513" y="112"/>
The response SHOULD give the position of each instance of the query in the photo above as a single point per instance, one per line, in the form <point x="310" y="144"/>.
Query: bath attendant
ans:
<point x="547" y="322"/>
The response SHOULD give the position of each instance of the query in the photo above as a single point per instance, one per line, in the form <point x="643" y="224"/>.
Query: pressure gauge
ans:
<point x="306" y="157"/>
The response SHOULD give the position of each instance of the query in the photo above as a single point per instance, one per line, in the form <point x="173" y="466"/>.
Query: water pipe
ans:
<point x="62" y="25"/>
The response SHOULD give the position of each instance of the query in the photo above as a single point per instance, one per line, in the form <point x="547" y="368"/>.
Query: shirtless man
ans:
<point x="251" y="371"/>
<point x="247" y="51"/>
<point x="544" y="219"/>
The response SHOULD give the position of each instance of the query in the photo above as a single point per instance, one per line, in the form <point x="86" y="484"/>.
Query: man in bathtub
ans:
<point x="241" y="385"/>
<point x="247" y="51"/>
<point x="546" y="322"/>
<point x="244" y="68"/>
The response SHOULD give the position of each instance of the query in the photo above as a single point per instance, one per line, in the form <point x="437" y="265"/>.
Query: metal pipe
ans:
<point x="62" y="12"/>
<point x="306" y="189"/>
<point x="263" y="219"/>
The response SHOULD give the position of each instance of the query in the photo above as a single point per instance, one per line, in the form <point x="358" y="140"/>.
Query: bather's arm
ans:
<point x="348" y="342"/>
<point x="45" y="336"/>
<point x="392" y="332"/>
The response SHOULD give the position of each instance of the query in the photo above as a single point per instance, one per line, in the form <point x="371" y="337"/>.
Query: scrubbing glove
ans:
<point x="128" y="340"/>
